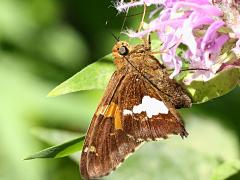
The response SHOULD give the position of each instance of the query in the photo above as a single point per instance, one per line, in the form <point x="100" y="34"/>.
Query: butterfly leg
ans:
<point x="147" y="41"/>
<point x="143" y="16"/>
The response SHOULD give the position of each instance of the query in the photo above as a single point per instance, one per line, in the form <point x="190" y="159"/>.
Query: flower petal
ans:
<point x="211" y="33"/>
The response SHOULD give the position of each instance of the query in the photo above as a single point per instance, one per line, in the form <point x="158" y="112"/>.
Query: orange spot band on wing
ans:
<point x="118" y="119"/>
<point x="112" y="110"/>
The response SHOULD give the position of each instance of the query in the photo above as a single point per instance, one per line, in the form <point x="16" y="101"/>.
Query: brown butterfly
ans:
<point x="139" y="104"/>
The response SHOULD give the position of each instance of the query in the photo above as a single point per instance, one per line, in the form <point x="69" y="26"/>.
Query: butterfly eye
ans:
<point x="123" y="50"/>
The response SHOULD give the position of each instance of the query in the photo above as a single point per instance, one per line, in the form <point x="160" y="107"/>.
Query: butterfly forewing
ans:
<point x="106" y="145"/>
<point x="98" y="120"/>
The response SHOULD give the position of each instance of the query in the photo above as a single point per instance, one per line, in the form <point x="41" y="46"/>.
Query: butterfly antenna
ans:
<point x="123" y="24"/>
<point x="114" y="36"/>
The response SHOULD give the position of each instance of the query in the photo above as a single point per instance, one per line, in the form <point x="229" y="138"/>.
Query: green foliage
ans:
<point x="94" y="76"/>
<point x="220" y="85"/>
<point x="73" y="143"/>
<point x="61" y="150"/>
<point x="226" y="170"/>
<point x="38" y="49"/>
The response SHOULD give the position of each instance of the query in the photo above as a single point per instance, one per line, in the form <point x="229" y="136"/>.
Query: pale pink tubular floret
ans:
<point x="210" y="33"/>
<point x="205" y="59"/>
<point x="179" y="23"/>
<point x="196" y="16"/>
<point x="205" y="8"/>
<point x="122" y="6"/>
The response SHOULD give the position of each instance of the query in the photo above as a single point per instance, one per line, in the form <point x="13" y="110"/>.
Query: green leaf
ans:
<point x="54" y="136"/>
<point x="226" y="170"/>
<point x="94" y="76"/>
<point x="221" y="84"/>
<point x="61" y="150"/>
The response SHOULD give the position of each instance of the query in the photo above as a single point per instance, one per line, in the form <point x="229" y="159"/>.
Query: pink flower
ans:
<point x="196" y="24"/>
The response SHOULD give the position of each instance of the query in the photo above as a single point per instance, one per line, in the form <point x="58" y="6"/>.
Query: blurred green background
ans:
<point x="43" y="43"/>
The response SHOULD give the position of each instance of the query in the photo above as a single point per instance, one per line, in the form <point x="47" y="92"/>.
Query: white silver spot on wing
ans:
<point x="86" y="150"/>
<point x="151" y="106"/>
<point x="127" y="112"/>
<point x="145" y="119"/>
<point x="130" y="136"/>
<point x="92" y="149"/>
<point x="140" y="140"/>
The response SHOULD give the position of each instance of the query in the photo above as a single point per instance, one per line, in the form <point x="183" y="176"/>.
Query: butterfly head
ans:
<point x="121" y="49"/>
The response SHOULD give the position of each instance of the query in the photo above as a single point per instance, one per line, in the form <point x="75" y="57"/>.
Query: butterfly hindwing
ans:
<point x="137" y="101"/>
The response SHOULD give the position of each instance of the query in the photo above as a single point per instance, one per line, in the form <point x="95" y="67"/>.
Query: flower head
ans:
<point x="203" y="26"/>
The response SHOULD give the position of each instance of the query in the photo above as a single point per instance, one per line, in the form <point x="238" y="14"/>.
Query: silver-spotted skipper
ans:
<point x="139" y="104"/>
